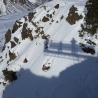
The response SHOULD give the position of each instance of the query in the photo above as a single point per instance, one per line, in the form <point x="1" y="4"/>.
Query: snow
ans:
<point x="71" y="73"/>
<point x="33" y="1"/>
<point x="2" y="8"/>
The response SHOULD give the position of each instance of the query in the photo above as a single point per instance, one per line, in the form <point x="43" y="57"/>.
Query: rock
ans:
<point x="8" y="36"/>
<point x="61" y="17"/>
<point x="12" y="56"/>
<point x="25" y="60"/>
<point x="31" y="15"/>
<point x="25" y="18"/>
<point x="45" y="68"/>
<point x="46" y="37"/>
<point x="12" y="44"/>
<point x="29" y="34"/>
<point x="16" y="39"/>
<point x="56" y="6"/>
<point x="9" y="75"/>
<point x="73" y="16"/>
<point x="17" y="25"/>
<point x="26" y="33"/>
<point x="45" y="19"/>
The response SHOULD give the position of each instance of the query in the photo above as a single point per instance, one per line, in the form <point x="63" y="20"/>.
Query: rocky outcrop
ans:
<point x="8" y="36"/>
<point x="9" y="75"/>
<point x="26" y="32"/>
<point x="12" y="56"/>
<point x="73" y="16"/>
<point x="25" y="60"/>
<point x="45" y="19"/>
<point x="12" y="44"/>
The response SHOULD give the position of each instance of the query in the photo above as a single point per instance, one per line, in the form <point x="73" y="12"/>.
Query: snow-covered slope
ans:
<point x="58" y="72"/>
<point x="10" y="12"/>
<point x="2" y="8"/>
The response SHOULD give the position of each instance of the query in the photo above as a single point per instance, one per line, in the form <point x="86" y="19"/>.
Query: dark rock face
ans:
<point x="12" y="44"/>
<point x="46" y="37"/>
<point x="29" y="34"/>
<point x="73" y="16"/>
<point x="9" y="75"/>
<point x="57" y="6"/>
<point x="16" y="26"/>
<point x="61" y="17"/>
<point x="16" y="39"/>
<point x="12" y="56"/>
<point x="8" y="36"/>
<point x="45" y="19"/>
<point x="25" y="60"/>
<point x="86" y="49"/>
<point x="31" y="15"/>
<point x="26" y="32"/>
<point x="89" y="50"/>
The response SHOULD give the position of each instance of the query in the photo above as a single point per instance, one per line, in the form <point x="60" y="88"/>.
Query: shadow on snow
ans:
<point x="77" y="81"/>
<point x="64" y="49"/>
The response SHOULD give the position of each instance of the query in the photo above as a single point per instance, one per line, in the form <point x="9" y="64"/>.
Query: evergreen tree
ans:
<point x="91" y="17"/>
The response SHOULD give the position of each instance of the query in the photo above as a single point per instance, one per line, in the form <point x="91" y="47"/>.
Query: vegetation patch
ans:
<point x="90" y="26"/>
<point x="45" y="36"/>
<point x="87" y="49"/>
<point x="61" y="17"/>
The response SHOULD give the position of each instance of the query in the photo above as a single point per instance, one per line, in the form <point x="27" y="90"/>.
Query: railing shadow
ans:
<point x="64" y="49"/>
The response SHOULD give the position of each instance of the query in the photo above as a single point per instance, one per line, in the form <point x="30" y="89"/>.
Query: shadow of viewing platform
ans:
<point x="65" y="49"/>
